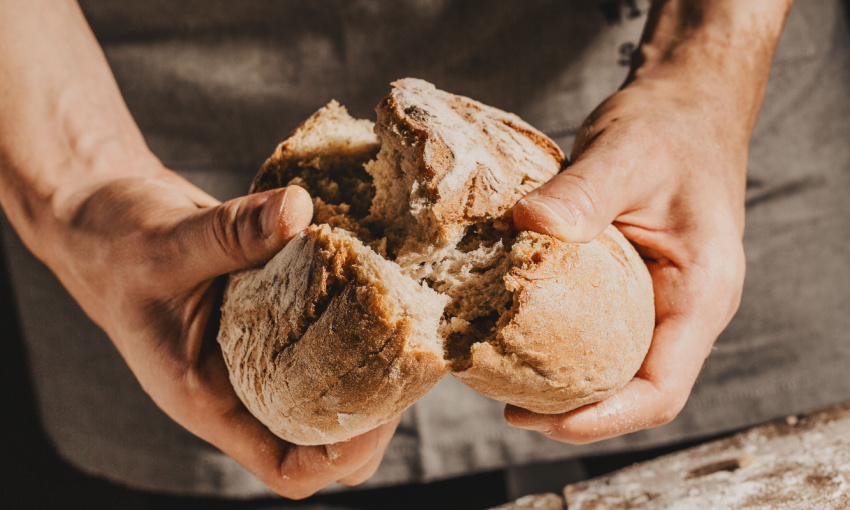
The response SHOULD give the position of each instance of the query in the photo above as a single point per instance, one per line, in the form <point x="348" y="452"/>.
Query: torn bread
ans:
<point x="521" y="317"/>
<point x="328" y="339"/>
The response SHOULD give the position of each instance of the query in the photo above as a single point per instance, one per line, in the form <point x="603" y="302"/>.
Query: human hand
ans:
<point x="672" y="178"/>
<point x="665" y="160"/>
<point x="142" y="255"/>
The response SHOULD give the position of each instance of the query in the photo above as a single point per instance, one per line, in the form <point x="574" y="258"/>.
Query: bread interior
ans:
<point x="402" y="297"/>
<point x="374" y="194"/>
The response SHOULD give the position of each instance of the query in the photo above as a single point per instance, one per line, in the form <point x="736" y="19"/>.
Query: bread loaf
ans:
<point x="413" y="269"/>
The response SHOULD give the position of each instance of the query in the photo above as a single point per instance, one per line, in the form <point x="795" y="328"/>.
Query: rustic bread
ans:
<point x="521" y="317"/>
<point x="447" y="162"/>
<point x="579" y="327"/>
<point x="325" y="155"/>
<point x="328" y="339"/>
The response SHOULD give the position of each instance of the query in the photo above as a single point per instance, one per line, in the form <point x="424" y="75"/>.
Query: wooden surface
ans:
<point x="546" y="501"/>
<point x="800" y="462"/>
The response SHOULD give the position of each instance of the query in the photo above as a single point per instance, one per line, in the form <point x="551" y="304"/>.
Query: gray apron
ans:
<point x="216" y="89"/>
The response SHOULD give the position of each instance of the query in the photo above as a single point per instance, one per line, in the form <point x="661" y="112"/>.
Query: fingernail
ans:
<point x="286" y="213"/>
<point x="551" y="216"/>
<point x="270" y="216"/>
<point x="535" y="427"/>
<point x="522" y="419"/>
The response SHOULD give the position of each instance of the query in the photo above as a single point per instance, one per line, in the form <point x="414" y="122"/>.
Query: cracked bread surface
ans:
<point x="579" y="327"/>
<point x="325" y="156"/>
<point x="328" y="340"/>
<point x="448" y="161"/>
<point x="521" y="317"/>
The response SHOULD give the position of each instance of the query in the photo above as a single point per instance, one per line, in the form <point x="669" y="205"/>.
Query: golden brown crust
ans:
<point x="473" y="161"/>
<point x="329" y="340"/>
<point x="582" y="315"/>
<point x="315" y="349"/>
<point x="581" y="324"/>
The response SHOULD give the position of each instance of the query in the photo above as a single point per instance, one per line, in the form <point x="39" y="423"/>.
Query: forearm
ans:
<point x="701" y="68"/>
<point x="721" y="49"/>
<point x="63" y="123"/>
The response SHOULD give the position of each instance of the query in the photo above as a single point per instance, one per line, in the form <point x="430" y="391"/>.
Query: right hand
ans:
<point x="648" y="161"/>
<point x="142" y="257"/>
<point x="665" y="160"/>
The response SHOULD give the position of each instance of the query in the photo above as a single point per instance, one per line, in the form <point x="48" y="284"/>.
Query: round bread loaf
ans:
<point x="416" y="270"/>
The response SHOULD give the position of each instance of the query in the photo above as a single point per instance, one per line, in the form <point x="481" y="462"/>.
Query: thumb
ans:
<point x="242" y="232"/>
<point x="576" y="205"/>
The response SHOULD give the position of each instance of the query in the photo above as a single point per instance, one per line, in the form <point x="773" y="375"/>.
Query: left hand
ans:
<point x="142" y="257"/>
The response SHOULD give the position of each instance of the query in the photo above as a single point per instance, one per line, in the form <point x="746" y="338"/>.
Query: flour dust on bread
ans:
<point x="328" y="336"/>
<point x="521" y="317"/>
<point x="447" y="162"/>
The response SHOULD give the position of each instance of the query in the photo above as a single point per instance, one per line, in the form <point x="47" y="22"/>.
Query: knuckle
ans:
<point x="725" y="274"/>
<point x="737" y="280"/>
<point x="574" y="438"/>
<point x="665" y="416"/>
<point x="670" y="409"/>
<point x="292" y="491"/>
<point x="309" y="469"/>
<point x="565" y="431"/>
<point x="225" y="232"/>
<point x="353" y="482"/>
<point x="591" y="196"/>
<point x="733" y="267"/>
<point x="714" y="257"/>
<point x="295" y="485"/>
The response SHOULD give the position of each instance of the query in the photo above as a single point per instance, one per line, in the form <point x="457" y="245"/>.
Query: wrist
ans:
<point x="63" y="123"/>
<point x="716" y="55"/>
<point x="44" y="190"/>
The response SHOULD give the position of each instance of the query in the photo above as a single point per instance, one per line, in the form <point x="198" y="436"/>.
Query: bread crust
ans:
<point x="325" y="155"/>
<point x="316" y="349"/>
<point x="579" y="328"/>
<point x="329" y="339"/>
<point x="329" y="142"/>
<point x="473" y="161"/>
